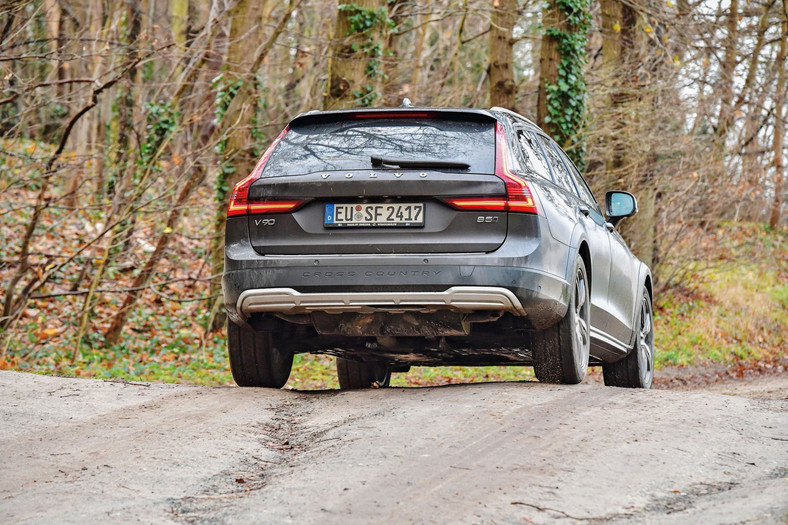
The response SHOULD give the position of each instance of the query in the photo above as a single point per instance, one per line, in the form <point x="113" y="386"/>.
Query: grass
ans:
<point x="737" y="311"/>
<point x="319" y="372"/>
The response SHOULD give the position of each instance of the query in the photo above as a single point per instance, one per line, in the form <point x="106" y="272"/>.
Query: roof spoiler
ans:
<point x="320" y="117"/>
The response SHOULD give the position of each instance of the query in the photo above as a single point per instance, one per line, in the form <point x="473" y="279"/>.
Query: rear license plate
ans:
<point x="408" y="215"/>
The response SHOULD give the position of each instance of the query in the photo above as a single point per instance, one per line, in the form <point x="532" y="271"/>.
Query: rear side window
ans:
<point x="532" y="155"/>
<point x="562" y="177"/>
<point x="349" y="144"/>
<point x="580" y="183"/>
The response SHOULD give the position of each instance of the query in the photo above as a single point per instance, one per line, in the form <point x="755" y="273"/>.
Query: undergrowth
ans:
<point x="731" y="309"/>
<point x="734" y="311"/>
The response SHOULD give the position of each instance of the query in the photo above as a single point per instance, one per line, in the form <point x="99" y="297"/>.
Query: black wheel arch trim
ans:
<point x="579" y="247"/>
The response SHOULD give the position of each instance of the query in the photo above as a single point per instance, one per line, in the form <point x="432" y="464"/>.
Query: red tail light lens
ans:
<point x="480" y="204"/>
<point x="273" y="206"/>
<point x="239" y="199"/>
<point x="518" y="195"/>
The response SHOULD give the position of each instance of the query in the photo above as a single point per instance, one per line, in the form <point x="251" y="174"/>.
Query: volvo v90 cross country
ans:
<point x="391" y="238"/>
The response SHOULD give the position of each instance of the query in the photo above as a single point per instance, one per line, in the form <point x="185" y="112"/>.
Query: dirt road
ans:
<point x="88" y="451"/>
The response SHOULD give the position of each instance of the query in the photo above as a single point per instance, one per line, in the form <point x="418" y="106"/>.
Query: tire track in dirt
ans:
<point x="83" y="450"/>
<point x="592" y="453"/>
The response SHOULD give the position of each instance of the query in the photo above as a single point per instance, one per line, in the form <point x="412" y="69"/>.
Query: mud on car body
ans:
<point x="392" y="238"/>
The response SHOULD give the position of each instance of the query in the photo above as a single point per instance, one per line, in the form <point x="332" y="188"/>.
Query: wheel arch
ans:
<point x="585" y="254"/>
<point x="645" y="280"/>
<point x="582" y="250"/>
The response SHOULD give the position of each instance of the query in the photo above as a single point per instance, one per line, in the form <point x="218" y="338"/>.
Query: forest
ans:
<point x="124" y="125"/>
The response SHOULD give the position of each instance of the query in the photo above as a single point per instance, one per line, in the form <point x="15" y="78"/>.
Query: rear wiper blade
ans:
<point x="419" y="163"/>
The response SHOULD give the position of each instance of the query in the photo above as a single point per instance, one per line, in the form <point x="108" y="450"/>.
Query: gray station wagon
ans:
<point x="402" y="237"/>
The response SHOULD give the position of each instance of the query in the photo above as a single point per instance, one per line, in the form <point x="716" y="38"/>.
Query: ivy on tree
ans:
<point x="566" y="97"/>
<point x="366" y="22"/>
<point x="225" y="92"/>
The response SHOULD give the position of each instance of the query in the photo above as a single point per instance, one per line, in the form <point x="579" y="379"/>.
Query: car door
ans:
<point x="623" y="290"/>
<point x="623" y="274"/>
<point x="585" y="211"/>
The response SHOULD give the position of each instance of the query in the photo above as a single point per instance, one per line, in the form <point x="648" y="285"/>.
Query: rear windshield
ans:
<point x="349" y="144"/>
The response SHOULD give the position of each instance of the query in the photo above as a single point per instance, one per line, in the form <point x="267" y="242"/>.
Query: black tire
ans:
<point x="354" y="375"/>
<point x="561" y="352"/>
<point x="254" y="358"/>
<point x="636" y="370"/>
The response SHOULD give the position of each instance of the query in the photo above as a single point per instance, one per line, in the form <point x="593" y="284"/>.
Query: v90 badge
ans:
<point x="264" y="222"/>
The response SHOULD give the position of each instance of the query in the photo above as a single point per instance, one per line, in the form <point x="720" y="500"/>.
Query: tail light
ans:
<point x="239" y="199"/>
<point x="518" y="196"/>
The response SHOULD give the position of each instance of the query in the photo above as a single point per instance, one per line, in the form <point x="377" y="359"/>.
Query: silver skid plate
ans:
<point x="457" y="298"/>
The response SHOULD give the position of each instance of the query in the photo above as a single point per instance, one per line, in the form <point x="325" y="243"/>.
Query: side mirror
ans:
<point x="619" y="205"/>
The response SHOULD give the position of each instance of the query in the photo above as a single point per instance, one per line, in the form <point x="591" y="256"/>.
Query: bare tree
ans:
<point x="503" y="89"/>
<point x="779" y="129"/>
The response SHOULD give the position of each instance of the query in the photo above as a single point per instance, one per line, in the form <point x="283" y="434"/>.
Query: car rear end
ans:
<point x="391" y="223"/>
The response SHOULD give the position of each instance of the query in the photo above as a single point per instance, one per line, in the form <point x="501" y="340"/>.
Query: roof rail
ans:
<point x="513" y="114"/>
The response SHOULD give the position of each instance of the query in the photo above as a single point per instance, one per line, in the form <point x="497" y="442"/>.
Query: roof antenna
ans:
<point x="406" y="103"/>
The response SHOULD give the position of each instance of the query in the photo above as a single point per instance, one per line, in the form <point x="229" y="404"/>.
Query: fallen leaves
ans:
<point x="43" y="334"/>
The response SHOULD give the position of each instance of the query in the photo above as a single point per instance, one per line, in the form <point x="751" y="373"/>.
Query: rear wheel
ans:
<point x="354" y="375"/>
<point x="255" y="360"/>
<point x="561" y="351"/>
<point x="636" y="370"/>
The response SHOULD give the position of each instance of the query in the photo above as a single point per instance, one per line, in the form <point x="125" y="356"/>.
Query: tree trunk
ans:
<point x="503" y="89"/>
<point x="755" y="57"/>
<point x="612" y="40"/>
<point x="245" y="35"/>
<point x="235" y="159"/>
<point x="726" y="74"/>
<point x="619" y="57"/>
<point x="392" y="89"/>
<point x="548" y="63"/>
<point x="84" y="129"/>
<point x="418" y="56"/>
<point x="179" y="13"/>
<point x="241" y="65"/>
<point x="623" y="53"/>
<point x="779" y="130"/>
<point x="53" y="16"/>
<point x="355" y="74"/>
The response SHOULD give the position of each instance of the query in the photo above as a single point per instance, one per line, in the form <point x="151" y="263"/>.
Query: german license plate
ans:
<point x="400" y="214"/>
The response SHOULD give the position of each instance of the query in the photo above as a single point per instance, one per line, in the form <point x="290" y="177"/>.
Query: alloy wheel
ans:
<point x="582" y="337"/>
<point x="646" y="341"/>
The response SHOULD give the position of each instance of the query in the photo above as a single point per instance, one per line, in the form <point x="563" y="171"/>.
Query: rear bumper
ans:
<point x="277" y="286"/>
<point x="528" y="268"/>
